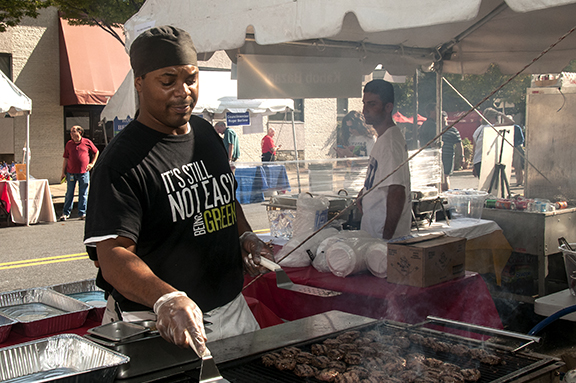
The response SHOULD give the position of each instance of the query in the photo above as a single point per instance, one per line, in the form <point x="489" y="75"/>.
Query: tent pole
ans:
<point x="439" y="119"/>
<point x="27" y="159"/>
<point x="415" y="144"/>
<point x="296" y="153"/>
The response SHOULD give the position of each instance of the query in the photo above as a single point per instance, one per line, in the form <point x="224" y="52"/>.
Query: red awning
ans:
<point x="402" y="119"/>
<point x="93" y="64"/>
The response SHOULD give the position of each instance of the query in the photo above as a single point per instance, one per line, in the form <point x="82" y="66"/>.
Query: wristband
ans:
<point x="166" y="297"/>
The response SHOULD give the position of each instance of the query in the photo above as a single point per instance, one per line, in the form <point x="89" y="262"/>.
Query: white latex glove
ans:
<point x="178" y="315"/>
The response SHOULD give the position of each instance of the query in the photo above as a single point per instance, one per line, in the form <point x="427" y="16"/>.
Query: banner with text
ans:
<point x="237" y="119"/>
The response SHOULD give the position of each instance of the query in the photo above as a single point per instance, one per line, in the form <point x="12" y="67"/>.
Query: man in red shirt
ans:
<point x="80" y="154"/>
<point x="268" y="148"/>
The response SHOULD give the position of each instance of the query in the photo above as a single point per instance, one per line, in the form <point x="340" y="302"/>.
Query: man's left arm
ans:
<point x="91" y="164"/>
<point x="394" y="206"/>
<point x="252" y="246"/>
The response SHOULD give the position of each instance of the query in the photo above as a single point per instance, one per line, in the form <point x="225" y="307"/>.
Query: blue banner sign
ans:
<point x="238" y="119"/>
<point x="120" y="124"/>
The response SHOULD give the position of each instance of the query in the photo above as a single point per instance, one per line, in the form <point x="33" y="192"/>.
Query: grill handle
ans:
<point x="480" y="329"/>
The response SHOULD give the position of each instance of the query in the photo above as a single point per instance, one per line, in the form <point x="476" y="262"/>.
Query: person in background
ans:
<point x="518" y="156"/>
<point x="357" y="139"/>
<point x="386" y="210"/>
<point x="171" y="239"/>
<point x="491" y="115"/>
<point x="451" y="145"/>
<point x="268" y="148"/>
<point x="428" y="129"/>
<point x="80" y="155"/>
<point x="230" y="140"/>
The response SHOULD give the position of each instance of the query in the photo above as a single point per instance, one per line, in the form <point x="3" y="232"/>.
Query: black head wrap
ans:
<point x="160" y="47"/>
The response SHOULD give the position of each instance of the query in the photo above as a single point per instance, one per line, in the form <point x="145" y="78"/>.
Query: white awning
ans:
<point x="401" y="35"/>
<point x="217" y="95"/>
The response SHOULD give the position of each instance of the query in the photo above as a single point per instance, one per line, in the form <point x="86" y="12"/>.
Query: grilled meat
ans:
<point x="284" y="364"/>
<point x="305" y="357"/>
<point x="471" y="374"/>
<point x="290" y="352"/>
<point x="270" y="359"/>
<point x="327" y="375"/>
<point x="318" y="349"/>
<point x="321" y="362"/>
<point x="305" y="371"/>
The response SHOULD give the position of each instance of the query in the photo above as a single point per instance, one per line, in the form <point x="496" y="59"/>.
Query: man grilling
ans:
<point x="169" y="233"/>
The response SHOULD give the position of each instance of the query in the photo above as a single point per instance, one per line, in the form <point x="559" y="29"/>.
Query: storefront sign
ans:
<point x="261" y="76"/>
<point x="238" y="119"/>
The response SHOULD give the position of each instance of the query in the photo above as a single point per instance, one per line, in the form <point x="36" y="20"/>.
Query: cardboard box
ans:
<point x="427" y="260"/>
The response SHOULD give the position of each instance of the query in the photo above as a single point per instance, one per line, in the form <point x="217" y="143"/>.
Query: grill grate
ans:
<point x="251" y="370"/>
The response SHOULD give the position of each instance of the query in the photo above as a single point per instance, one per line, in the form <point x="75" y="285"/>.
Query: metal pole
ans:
<point x="415" y="125"/>
<point x="27" y="159"/>
<point x="439" y="126"/>
<point x="296" y="153"/>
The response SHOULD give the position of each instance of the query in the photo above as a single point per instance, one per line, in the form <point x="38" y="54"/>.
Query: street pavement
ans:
<point x="52" y="253"/>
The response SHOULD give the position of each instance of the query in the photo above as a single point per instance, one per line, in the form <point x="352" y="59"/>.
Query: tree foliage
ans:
<point x="13" y="11"/>
<point x="473" y="87"/>
<point x="107" y="14"/>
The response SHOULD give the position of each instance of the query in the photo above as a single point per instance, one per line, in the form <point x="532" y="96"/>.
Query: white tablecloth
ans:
<point x="41" y="208"/>
<point x="468" y="228"/>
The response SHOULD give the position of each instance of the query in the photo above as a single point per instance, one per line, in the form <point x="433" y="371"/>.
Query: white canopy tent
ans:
<point x="14" y="102"/>
<point x="466" y="35"/>
<point x="217" y="95"/>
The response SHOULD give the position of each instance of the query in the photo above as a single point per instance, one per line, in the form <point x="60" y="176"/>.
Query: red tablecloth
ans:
<point x="465" y="299"/>
<point x="263" y="315"/>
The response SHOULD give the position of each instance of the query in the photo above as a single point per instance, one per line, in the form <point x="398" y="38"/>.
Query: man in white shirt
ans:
<point x="386" y="209"/>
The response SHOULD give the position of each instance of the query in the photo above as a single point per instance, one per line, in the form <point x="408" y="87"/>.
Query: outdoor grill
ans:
<point x="240" y="358"/>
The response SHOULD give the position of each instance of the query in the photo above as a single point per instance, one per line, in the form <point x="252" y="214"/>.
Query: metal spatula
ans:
<point x="284" y="282"/>
<point x="208" y="370"/>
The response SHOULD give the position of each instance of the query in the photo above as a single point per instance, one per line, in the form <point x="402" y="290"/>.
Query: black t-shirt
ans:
<point x="174" y="196"/>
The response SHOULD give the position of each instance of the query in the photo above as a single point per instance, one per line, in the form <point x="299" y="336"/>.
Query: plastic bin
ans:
<point x="466" y="203"/>
<point x="570" y="263"/>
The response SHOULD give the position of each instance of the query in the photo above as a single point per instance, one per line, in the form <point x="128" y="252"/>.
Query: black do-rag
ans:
<point x="160" y="47"/>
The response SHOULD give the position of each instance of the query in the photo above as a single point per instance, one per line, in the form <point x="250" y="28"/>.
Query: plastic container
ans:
<point x="466" y="203"/>
<point x="347" y="256"/>
<point x="311" y="214"/>
<point x="376" y="257"/>
<point x="570" y="263"/>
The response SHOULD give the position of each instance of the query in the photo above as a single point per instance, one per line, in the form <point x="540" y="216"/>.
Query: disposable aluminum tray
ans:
<point x="5" y="327"/>
<point x="60" y="358"/>
<point x="42" y="311"/>
<point x="85" y="291"/>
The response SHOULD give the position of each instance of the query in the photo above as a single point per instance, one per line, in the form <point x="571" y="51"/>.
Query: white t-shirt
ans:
<point x="478" y="137"/>
<point x="389" y="151"/>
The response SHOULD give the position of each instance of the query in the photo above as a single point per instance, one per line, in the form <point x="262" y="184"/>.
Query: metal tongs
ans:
<point x="481" y="330"/>
<point x="284" y="282"/>
<point x="208" y="370"/>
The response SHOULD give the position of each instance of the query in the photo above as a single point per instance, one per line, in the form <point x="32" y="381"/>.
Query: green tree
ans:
<point x="473" y="87"/>
<point x="13" y="11"/>
<point x="106" y="14"/>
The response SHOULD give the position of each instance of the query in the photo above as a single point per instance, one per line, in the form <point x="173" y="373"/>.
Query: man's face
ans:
<point x="271" y="133"/>
<point x="75" y="134"/>
<point x="374" y="109"/>
<point x="220" y="128"/>
<point x="167" y="97"/>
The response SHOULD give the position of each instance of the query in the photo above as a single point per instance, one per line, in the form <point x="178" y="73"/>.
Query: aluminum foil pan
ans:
<point x="5" y="327"/>
<point x="42" y="311"/>
<point x="60" y="358"/>
<point x="85" y="291"/>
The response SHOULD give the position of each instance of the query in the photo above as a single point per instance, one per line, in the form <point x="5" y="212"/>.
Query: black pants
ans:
<point x="266" y="157"/>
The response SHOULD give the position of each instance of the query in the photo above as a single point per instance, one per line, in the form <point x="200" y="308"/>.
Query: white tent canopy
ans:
<point x="14" y="102"/>
<point x="217" y="95"/>
<point x="467" y="35"/>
